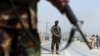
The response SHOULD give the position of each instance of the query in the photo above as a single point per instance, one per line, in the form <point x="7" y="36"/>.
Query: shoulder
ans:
<point x="59" y="27"/>
<point x="52" y="26"/>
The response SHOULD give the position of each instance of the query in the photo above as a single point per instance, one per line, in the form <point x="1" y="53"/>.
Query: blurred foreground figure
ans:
<point x="20" y="44"/>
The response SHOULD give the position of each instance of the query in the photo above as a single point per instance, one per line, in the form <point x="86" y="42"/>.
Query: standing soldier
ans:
<point x="97" y="42"/>
<point x="56" y="36"/>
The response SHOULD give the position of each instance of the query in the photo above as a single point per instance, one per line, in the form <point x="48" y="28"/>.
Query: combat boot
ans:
<point x="57" y="52"/>
<point x="52" y="51"/>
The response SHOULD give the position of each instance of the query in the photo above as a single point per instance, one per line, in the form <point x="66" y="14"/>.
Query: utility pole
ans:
<point x="47" y="37"/>
<point x="47" y="28"/>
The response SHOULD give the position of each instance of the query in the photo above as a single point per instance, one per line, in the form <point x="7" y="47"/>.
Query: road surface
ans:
<point x="76" y="49"/>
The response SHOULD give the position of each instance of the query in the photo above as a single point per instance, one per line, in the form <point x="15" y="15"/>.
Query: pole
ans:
<point x="46" y="30"/>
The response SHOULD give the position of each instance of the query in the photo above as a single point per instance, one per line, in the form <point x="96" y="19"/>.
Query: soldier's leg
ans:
<point x="52" y="45"/>
<point x="57" y="46"/>
<point x="93" y="45"/>
<point x="97" y="44"/>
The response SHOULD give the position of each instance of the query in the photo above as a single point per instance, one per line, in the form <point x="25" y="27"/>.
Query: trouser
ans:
<point x="92" y="44"/>
<point x="97" y="44"/>
<point x="55" y="41"/>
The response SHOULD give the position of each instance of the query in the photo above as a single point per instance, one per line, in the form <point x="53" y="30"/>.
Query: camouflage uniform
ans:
<point x="6" y="9"/>
<point x="55" y="30"/>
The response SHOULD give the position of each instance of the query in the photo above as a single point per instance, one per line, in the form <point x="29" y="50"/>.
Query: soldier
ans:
<point x="97" y="42"/>
<point x="56" y="36"/>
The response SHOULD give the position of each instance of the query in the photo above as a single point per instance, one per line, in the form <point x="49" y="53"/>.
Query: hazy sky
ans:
<point x="86" y="10"/>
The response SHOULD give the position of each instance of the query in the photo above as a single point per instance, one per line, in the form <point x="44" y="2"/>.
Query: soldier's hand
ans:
<point x="59" y="4"/>
<point x="57" y="35"/>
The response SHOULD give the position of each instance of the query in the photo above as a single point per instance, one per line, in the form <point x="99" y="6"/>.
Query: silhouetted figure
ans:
<point x="97" y="41"/>
<point x="56" y="36"/>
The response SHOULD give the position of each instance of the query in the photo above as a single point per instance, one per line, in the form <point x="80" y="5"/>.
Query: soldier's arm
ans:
<point x="60" y="32"/>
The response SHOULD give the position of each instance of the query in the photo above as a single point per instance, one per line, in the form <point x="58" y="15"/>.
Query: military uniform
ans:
<point x="6" y="9"/>
<point x="56" y="37"/>
<point x="97" y="41"/>
<point x="93" y="41"/>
